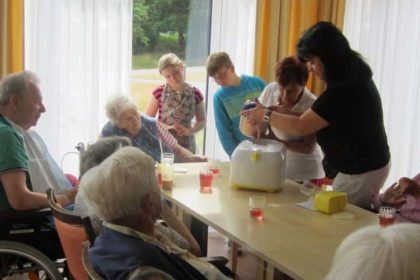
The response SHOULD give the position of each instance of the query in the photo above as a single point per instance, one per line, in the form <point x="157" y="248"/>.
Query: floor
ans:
<point x="248" y="265"/>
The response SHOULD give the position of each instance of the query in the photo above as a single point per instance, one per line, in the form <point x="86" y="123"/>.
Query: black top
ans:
<point x="355" y="142"/>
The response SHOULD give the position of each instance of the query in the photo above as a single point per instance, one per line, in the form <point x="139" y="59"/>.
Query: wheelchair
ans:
<point x="30" y="247"/>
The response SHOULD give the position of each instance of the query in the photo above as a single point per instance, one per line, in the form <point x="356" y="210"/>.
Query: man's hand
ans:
<point x="67" y="197"/>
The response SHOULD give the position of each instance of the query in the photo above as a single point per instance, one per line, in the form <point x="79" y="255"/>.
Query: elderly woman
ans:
<point x="123" y="192"/>
<point x="288" y="95"/>
<point x="405" y="196"/>
<point x="375" y="253"/>
<point x="177" y="103"/>
<point x="347" y="118"/>
<point x="145" y="133"/>
<point x="176" y="231"/>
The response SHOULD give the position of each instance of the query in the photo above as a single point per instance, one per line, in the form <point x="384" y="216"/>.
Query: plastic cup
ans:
<point x="159" y="175"/>
<point x="256" y="207"/>
<point x="167" y="170"/>
<point x="214" y="166"/>
<point x="387" y="215"/>
<point x="206" y="179"/>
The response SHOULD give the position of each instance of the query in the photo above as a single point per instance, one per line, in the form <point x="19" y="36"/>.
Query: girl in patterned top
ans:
<point x="176" y="103"/>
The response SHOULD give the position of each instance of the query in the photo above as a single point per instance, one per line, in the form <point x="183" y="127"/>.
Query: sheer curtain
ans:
<point x="387" y="34"/>
<point x="232" y="31"/>
<point x="81" y="51"/>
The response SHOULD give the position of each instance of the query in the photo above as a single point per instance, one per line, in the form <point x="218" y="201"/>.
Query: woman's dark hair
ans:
<point x="291" y="70"/>
<point x="327" y="42"/>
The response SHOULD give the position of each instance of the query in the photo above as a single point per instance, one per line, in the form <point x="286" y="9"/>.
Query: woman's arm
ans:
<point x="308" y="123"/>
<point x="200" y="118"/>
<point x="152" y="106"/>
<point x="305" y="146"/>
<point x="185" y="155"/>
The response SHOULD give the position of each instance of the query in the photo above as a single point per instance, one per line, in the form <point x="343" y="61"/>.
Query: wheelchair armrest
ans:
<point x="220" y="263"/>
<point x="26" y="216"/>
<point x="217" y="261"/>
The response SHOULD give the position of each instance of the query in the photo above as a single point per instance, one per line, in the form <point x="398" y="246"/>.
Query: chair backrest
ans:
<point x="92" y="274"/>
<point x="73" y="230"/>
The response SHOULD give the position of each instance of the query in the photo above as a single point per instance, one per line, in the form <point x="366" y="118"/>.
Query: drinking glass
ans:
<point x="206" y="178"/>
<point x="167" y="170"/>
<point x="214" y="166"/>
<point x="387" y="215"/>
<point x="256" y="207"/>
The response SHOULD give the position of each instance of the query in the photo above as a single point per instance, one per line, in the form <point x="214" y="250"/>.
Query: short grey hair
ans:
<point x="16" y="84"/>
<point x="116" y="188"/>
<point x="375" y="253"/>
<point x="99" y="151"/>
<point x="169" y="59"/>
<point x="116" y="105"/>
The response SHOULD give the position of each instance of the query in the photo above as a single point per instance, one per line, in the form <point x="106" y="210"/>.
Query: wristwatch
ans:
<point x="266" y="120"/>
<point x="267" y="115"/>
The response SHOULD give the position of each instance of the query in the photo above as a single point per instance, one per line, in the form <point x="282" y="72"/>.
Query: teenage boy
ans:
<point x="230" y="97"/>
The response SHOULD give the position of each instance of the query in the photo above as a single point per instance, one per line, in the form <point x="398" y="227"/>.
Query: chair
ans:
<point x="92" y="274"/>
<point x="72" y="230"/>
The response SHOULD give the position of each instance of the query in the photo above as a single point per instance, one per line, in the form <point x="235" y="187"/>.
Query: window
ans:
<point x="169" y="26"/>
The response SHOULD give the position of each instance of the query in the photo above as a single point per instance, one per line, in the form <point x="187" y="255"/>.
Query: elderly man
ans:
<point x="21" y="172"/>
<point x="145" y="132"/>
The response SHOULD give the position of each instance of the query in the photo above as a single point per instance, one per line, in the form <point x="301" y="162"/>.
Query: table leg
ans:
<point x="234" y="256"/>
<point x="200" y="231"/>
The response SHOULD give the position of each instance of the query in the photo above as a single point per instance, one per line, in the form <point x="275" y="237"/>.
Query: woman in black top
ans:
<point x="347" y="118"/>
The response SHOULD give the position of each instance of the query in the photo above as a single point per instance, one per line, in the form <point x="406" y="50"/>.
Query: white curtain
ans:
<point x="81" y="50"/>
<point x="387" y="34"/>
<point x="233" y="31"/>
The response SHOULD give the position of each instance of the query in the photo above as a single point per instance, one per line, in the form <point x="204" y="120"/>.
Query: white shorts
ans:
<point x="361" y="188"/>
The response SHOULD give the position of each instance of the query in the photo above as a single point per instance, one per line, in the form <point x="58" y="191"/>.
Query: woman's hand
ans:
<point x="181" y="130"/>
<point x="408" y="186"/>
<point x="254" y="116"/>
<point x="393" y="196"/>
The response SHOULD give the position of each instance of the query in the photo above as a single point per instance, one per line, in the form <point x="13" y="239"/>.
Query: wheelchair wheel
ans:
<point x="20" y="259"/>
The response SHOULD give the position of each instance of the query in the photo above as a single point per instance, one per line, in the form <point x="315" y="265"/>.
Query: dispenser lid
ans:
<point x="264" y="145"/>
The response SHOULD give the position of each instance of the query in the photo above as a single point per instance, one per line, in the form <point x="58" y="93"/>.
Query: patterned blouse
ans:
<point x="178" y="108"/>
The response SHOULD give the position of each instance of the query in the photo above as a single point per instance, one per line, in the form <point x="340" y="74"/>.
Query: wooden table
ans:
<point x="296" y="241"/>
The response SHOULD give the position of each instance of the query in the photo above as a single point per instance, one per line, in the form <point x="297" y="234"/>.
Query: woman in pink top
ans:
<point x="405" y="196"/>
<point x="177" y="103"/>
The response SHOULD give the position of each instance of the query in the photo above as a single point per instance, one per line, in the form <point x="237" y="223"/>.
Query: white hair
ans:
<point x="169" y="59"/>
<point x="376" y="253"/>
<point x="115" y="188"/>
<point x="116" y="105"/>
<point x="16" y="84"/>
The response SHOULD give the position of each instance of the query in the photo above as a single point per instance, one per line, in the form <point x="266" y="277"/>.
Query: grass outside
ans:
<point x="167" y="42"/>
<point x="146" y="60"/>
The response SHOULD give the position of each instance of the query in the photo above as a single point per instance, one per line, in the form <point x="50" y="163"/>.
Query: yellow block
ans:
<point x="330" y="202"/>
